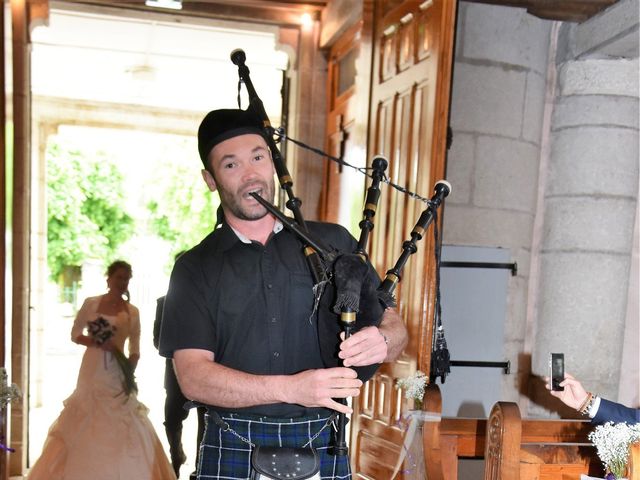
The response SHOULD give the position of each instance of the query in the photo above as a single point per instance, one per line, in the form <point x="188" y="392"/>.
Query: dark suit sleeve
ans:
<point x="615" y="412"/>
<point x="158" y="322"/>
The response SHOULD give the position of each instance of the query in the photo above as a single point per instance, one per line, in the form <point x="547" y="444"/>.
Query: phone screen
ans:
<point x="557" y="371"/>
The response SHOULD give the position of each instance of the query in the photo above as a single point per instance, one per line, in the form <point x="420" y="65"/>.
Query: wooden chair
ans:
<point x="519" y="449"/>
<point x="513" y="448"/>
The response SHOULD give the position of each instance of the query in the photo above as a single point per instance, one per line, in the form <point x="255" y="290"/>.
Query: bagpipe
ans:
<point x="346" y="297"/>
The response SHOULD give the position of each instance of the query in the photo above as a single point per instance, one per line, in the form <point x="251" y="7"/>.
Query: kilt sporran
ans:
<point x="277" y="462"/>
<point x="284" y="463"/>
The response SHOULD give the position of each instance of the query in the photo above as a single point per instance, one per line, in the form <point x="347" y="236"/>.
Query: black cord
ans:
<point x="363" y="170"/>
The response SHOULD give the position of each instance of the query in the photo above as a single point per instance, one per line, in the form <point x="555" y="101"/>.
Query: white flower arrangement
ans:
<point x="8" y="393"/>
<point x="414" y="387"/>
<point x="612" y="441"/>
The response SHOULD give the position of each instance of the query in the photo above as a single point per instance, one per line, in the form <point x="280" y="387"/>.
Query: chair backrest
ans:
<point x="432" y="402"/>
<point x="513" y="448"/>
<point x="502" y="442"/>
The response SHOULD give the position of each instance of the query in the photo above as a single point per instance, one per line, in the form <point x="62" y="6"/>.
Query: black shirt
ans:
<point x="250" y="304"/>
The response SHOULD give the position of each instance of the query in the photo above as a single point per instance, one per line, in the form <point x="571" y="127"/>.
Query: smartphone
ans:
<point x="556" y="365"/>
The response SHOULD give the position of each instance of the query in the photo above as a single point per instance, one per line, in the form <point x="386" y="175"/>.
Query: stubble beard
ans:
<point x="233" y="202"/>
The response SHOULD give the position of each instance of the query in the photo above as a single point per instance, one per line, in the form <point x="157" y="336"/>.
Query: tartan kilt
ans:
<point x="224" y="456"/>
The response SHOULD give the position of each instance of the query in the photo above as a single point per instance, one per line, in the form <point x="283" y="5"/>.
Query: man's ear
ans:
<point x="208" y="179"/>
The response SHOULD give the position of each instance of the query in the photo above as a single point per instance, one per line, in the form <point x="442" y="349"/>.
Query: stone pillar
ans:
<point x="589" y="206"/>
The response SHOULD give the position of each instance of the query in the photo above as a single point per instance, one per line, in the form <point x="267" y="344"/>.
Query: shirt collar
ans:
<point x="277" y="227"/>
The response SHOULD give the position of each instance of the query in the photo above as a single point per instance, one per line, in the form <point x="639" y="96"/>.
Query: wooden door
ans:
<point x="347" y="92"/>
<point x="411" y="76"/>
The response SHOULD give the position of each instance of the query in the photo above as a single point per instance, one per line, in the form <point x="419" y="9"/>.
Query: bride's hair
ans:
<point x="118" y="264"/>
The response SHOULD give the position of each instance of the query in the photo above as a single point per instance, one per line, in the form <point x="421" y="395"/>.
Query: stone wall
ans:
<point x="590" y="200"/>
<point x="544" y="162"/>
<point x="497" y="111"/>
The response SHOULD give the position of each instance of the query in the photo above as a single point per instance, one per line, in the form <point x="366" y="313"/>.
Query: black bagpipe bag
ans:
<point x="355" y="285"/>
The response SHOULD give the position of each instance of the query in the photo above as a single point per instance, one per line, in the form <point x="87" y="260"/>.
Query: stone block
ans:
<point x="591" y="110"/>
<point x="505" y="35"/>
<point x="511" y="353"/>
<point x="487" y="99"/>
<point x="460" y="167"/>
<point x="601" y="31"/>
<point x="581" y="310"/>
<point x="589" y="224"/>
<point x="533" y="107"/>
<point x="599" y="77"/>
<point x="522" y="257"/>
<point x="506" y="174"/>
<point x="515" y="323"/>
<point x="625" y="46"/>
<point x="460" y="25"/>
<point x="593" y="161"/>
<point x="510" y="392"/>
<point x="486" y="227"/>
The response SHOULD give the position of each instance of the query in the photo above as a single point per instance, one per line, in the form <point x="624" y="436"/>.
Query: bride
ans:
<point x="103" y="432"/>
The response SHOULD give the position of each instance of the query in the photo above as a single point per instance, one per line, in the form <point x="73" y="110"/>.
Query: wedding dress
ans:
<point x="101" y="434"/>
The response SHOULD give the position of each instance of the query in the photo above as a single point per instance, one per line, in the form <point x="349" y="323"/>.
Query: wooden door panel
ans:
<point x="377" y="455"/>
<point x="406" y="42"/>
<point x="425" y="27"/>
<point x="384" y="116"/>
<point x="409" y="107"/>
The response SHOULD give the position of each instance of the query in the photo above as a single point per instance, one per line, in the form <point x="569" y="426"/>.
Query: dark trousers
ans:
<point x="174" y="415"/>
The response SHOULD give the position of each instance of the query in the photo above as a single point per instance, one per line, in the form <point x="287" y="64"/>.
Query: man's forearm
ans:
<point x="203" y="380"/>
<point x="214" y="384"/>
<point x="395" y="331"/>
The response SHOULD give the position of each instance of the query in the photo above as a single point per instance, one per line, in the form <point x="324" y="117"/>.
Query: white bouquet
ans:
<point x="414" y="387"/>
<point x="612" y="441"/>
<point x="8" y="393"/>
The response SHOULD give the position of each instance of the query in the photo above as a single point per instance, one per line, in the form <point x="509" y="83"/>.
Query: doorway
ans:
<point x="130" y="92"/>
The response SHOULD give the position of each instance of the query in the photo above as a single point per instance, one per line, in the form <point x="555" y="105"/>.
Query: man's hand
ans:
<point x="573" y="394"/>
<point x="369" y="345"/>
<point x="318" y="388"/>
<point x="365" y="347"/>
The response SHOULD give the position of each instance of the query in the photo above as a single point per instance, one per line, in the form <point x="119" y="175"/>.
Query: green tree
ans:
<point x="86" y="214"/>
<point x="182" y="210"/>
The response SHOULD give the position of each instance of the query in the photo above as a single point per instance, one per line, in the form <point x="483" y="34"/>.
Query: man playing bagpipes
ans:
<point x="250" y="336"/>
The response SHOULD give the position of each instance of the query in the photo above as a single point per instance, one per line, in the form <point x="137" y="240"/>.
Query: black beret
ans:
<point x="220" y="125"/>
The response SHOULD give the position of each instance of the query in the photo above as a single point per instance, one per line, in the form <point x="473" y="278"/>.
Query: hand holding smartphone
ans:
<point x="556" y="365"/>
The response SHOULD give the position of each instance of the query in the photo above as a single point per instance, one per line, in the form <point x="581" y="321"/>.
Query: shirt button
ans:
<point x="276" y="354"/>
<point x="269" y="286"/>
<point x="273" y="320"/>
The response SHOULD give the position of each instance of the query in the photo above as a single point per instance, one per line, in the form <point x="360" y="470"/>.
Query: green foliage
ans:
<point x="86" y="216"/>
<point x="182" y="210"/>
